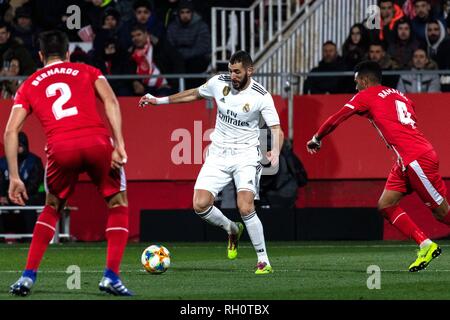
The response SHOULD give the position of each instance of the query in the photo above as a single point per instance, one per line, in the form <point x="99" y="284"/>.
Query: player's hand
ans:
<point x="146" y="100"/>
<point x="313" y="145"/>
<point x="17" y="191"/>
<point x="274" y="157"/>
<point x="119" y="158"/>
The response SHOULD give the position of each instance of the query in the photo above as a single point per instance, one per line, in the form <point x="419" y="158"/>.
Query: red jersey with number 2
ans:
<point x="392" y="114"/>
<point x="62" y="96"/>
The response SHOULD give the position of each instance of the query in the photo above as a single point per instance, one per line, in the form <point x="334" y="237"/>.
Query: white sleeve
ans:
<point x="268" y="111"/>
<point x="207" y="89"/>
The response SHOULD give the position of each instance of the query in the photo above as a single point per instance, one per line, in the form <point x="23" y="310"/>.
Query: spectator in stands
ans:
<point x="110" y="29"/>
<point x="125" y="9"/>
<point x="6" y="11"/>
<point x="31" y="173"/>
<point x="356" y="46"/>
<point x="142" y="53"/>
<point x="24" y="30"/>
<point x="94" y="12"/>
<point x="423" y="14"/>
<point x="167" y="11"/>
<point x="390" y="13"/>
<point x="404" y="43"/>
<point x="11" y="46"/>
<point x="11" y="68"/>
<point x="377" y="53"/>
<point x="423" y="83"/>
<point x="331" y="62"/>
<point x="113" y="60"/>
<point x="190" y="35"/>
<point x="79" y="55"/>
<point x="144" y="15"/>
<point x="436" y="36"/>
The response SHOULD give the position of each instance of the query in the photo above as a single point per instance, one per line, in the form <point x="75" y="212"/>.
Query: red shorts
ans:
<point x="421" y="176"/>
<point x="90" y="154"/>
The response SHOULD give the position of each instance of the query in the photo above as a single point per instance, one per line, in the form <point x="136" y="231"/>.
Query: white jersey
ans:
<point x="238" y="112"/>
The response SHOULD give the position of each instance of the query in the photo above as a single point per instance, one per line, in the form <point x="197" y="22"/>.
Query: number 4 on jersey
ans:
<point x="57" y="106"/>
<point x="403" y="115"/>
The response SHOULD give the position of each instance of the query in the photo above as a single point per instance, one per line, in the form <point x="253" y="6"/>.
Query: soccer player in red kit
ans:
<point x="62" y="95"/>
<point x="417" y="166"/>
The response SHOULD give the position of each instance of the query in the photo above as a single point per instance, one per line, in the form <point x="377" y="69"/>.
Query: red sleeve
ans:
<point x="21" y="100"/>
<point x="94" y="73"/>
<point x="356" y="105"/>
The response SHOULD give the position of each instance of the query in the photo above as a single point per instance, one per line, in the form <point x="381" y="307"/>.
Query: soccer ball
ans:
<point x="155" y="259"/>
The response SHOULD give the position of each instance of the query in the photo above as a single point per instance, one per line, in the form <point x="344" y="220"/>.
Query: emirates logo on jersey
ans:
<point x="246" y="108"/>
<point x="226" y="90"/>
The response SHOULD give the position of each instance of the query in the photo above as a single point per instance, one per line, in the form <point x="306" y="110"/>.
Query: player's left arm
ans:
<point x="17" y="191"/>
<point x="112" y="109"/>
<point x="278" y="138"/>
<point x="270" y="116"/>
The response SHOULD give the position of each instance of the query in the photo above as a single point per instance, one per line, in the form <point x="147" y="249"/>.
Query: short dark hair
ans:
<point x="54" y="43"/>
<point x="6" y="25"/>
<point x="138" y="27"/>
<point x="329" y="42"/>
<point x="370" y="69"/>
<point x="142" y="3"/>
<point x="242" y="57"/>
<point x="379" y="43"/>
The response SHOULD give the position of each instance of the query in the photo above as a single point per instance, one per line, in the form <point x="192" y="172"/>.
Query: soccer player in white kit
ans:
<point x="234" y="152"/>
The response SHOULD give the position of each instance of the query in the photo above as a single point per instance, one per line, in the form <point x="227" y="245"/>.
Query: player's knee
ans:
<point x="383" y="204"/>
<point x="246" y="208"/>
<point x="54" y="202"/>
<point x="117" y="200"/>
<point x="440" y="213"/>
<point x="201" y="204"/>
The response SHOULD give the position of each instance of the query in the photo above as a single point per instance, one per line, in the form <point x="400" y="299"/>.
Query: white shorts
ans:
<point x="224" y="164"/>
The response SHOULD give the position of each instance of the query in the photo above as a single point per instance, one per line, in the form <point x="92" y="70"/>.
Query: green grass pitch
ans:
<point x="200" y="271"/>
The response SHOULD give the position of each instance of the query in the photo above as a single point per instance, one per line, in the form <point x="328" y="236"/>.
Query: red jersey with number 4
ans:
<point x="392" y="114"/>
<point x="62" y="96"/>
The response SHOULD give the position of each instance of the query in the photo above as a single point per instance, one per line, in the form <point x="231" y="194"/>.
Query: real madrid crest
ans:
<point x="246" y="108"/>
<point x="226" y="90"/>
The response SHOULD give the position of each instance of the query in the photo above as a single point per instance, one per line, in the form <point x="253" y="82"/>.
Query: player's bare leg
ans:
<point x="246" y="205"/>
<point x="117" y="237"/>
<point x="388" y="206"/>
<point x="203" y="203"/>
<point x="441" y="213"/>
<point x="43" y="233"/>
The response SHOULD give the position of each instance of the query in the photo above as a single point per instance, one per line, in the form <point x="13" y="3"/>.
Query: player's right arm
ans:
<point x="112" y="109"/>
<point x="206" y="90"/>
<point x="17" y="191"/>
<point x="181" y="97"/>
<point x="355" y="105"/>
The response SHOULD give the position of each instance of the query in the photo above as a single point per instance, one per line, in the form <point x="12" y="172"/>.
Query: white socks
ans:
<point x="425" y="243"/>
<point x="215" y="217"/>
<point x="256" y="233"/>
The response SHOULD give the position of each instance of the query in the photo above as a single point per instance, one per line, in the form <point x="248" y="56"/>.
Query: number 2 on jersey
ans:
<point x="57" y="106"/>
<point x="403" y="115"/>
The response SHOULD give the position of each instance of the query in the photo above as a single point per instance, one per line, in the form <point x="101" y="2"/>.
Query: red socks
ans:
<point x="399" y="219"/>
<point x="117" y="236"/>
<point x="42" y="235"/>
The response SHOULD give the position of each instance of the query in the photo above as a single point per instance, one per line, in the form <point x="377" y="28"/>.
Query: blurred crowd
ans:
<point x="413" y="35"/>
<point x="153" y="37"/>
<point x="143" y="37"/>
